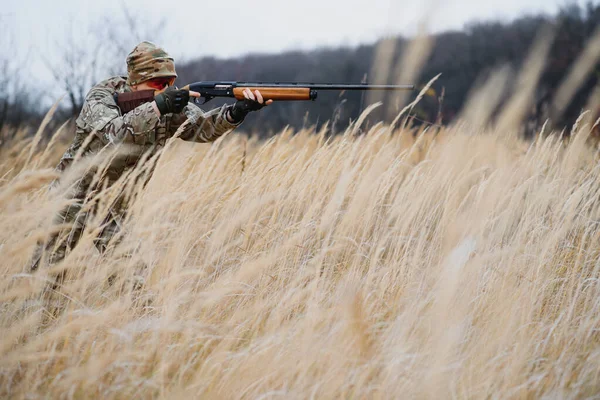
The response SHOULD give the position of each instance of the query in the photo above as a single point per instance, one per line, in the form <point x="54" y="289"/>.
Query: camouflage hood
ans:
<point x="148" y="61"/>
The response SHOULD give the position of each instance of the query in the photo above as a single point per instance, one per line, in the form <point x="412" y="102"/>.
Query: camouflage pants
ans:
<point x="75" y="217"/>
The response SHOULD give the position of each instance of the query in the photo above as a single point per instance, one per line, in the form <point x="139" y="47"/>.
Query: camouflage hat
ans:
<point x="148" y="61"/>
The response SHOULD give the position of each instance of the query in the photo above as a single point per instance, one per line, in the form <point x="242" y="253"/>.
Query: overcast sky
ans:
<point x="232" y="27"/>
<point x="266" y="25"/>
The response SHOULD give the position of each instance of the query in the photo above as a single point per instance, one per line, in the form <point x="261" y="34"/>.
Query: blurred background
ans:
<point x="59" y="50"/>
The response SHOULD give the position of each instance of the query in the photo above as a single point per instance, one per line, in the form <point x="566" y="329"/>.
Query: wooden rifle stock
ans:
<point x="130" y="100"/>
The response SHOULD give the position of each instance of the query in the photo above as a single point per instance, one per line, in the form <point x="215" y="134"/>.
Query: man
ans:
<point x="102" y="125"/>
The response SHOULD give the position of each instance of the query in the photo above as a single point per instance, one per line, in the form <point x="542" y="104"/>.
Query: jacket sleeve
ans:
<point x="203" y="126"/>
<point x="101" y="114"/>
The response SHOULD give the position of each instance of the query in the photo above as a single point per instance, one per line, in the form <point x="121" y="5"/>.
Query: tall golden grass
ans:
<point x="398" y="263"/>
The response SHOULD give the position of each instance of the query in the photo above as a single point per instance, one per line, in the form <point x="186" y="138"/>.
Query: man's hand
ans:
<point x="173" y="100"/>
<point x="252" y="102"/>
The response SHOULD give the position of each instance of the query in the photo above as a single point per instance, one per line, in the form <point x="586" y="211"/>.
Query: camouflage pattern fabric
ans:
<point x="74" y="215"/>
<point x="140" y="128"/>
<point x="101" y="126"/>
<point x="148" y="61"/>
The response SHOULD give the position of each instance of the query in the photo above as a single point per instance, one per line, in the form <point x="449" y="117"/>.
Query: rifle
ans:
<point x="277" y="91"/>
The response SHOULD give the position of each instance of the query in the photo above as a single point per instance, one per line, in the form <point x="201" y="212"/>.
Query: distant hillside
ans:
<point x="462" y="57"/>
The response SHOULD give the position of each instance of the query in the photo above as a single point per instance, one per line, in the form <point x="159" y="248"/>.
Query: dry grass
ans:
<point x="359" y="266"/>
<point x="464" y="263"/>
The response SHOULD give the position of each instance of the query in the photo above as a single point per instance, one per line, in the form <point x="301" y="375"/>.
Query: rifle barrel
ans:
<point x="326" y="86"/>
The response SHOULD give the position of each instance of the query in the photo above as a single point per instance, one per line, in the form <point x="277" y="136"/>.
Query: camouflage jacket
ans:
<point x="141" y="129"/>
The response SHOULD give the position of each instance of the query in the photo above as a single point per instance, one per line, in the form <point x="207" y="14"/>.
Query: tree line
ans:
<point x="464" y="59"/>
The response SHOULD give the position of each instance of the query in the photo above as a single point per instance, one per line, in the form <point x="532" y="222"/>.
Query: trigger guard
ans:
<point x="205" y="99"/>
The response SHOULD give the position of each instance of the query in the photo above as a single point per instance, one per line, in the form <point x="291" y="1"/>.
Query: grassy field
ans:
<point x="457" y="264"/>
<point x="389" y="262"/>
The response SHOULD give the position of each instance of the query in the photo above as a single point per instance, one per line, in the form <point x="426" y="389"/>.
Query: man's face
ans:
<point x="155" y="84"/>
